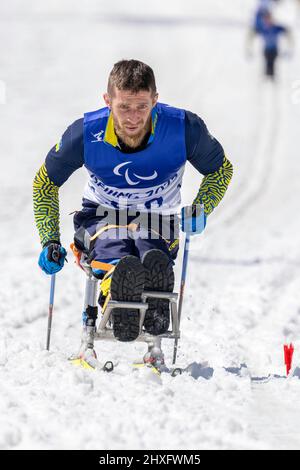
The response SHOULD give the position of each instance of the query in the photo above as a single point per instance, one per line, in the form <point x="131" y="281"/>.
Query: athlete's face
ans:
<point x="131" y="113"/>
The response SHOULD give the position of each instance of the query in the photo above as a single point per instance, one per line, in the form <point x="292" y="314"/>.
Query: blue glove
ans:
<point x="193" y="219"/>
<point x="52" y="258"/>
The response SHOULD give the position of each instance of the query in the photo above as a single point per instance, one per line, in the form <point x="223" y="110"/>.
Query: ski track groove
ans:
<point x="266" y="150"/>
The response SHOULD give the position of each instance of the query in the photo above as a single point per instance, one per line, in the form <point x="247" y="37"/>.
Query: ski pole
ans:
<point x="52" y="290"/>
<point x="182" y="285"/>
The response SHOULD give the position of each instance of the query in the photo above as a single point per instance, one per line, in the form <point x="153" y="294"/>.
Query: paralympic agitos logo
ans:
<point x="132" y="178"/>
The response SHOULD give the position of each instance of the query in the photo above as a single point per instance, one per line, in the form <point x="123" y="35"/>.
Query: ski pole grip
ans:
<point x="55" y="255"/>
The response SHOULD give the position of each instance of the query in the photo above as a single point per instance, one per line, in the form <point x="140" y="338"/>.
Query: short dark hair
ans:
<point x="131" y="75"/>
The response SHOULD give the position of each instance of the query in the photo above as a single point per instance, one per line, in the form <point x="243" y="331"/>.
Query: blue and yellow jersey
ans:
<point x="149" y="177"/>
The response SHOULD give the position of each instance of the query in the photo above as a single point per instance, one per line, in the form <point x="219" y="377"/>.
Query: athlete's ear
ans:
<point x="154" y="99"/>
<point x="107" y="99"/>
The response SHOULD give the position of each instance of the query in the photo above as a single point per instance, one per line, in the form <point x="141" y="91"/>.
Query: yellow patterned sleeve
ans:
<point x="214" y="186"/>
<point x="46" y="206"/>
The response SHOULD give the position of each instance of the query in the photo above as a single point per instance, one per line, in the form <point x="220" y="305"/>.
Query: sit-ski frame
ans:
<point x="105" y="332"/>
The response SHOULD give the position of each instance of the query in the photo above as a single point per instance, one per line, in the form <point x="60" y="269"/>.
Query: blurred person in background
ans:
<point x="270" y="33"/>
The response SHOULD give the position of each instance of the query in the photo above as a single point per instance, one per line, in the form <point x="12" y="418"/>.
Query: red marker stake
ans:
<point x="288" y="356"/>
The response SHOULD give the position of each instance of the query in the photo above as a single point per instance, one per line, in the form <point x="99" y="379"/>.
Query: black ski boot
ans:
<point x="127" y="284"/>
<point x="159" y="277"/>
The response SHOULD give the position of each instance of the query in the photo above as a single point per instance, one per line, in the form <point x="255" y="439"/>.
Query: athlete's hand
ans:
<point x="52" y="258"/>
<point x="193" y="219"/>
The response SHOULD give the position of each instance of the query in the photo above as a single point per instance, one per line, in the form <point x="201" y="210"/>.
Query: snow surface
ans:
<point x="242" y="295"/>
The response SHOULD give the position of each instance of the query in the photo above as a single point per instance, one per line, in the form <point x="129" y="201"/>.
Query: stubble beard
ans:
<point x="135" y="140"/>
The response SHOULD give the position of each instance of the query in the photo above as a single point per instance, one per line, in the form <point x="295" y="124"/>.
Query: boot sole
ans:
<point x="127" y="284"/>
<point x="159" y="277"/>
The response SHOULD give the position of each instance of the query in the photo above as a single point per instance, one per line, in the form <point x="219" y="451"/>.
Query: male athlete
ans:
<point x="135" y="150"/>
